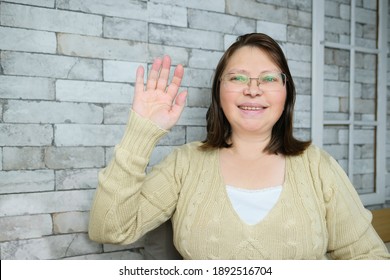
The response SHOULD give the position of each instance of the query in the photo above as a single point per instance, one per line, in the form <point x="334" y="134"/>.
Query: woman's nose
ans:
<point x="253" y="88"/>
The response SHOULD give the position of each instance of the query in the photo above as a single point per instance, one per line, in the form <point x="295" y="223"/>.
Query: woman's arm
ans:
<point x="128" y="203"/>
<point x="351" y="235"/>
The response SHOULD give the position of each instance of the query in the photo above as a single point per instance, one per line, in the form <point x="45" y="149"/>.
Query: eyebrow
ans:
<point x="242" y="71"/>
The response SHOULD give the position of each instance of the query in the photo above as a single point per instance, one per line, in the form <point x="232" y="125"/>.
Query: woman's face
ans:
<point x="251" y="109"/>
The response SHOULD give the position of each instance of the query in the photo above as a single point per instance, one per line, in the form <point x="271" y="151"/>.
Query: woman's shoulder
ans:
<point x="315" y="154"/>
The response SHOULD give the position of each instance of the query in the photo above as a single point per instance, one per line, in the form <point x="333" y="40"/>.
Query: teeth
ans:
<point x="251" y="108"/>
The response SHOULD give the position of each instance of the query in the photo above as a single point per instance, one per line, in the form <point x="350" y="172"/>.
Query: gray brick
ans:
<point x="302" y="5"/>
<point x="122" y="8"/>
<point x="23" y="158"/>
<point x="185" y="37"/>
<point x="25" y="135"/>
<point x="336" y="88"/>
<point x="228" y="40"/>
<point x="25" y="181"/>
<point x="204" y="59"/>
<point x="176" y="136"/>
<point x="337" y="26"/>
<point x="334" y="9"/>
<point x="116" y="113"/>
<point x="298" y="52"/>
<point x="331" y="104"/>
<point x="52" y="66"/>
<point x="45" y="202"/>
<point x="159" y="153"/>
<point x="98" y="92"/>
<point x="193" y="116"/>
<point x="199" y="97"/>
<point x="1" y="110"/>
<point x="331" y="72"/>
<point x="302" y="134"/>
<point x="299" y="18"/>
<point x="70" y="222"/>
<point x="51" y="247"/>
<point x="14" y="87"/>
<point x="303" y="86"/>
<point x="255" y="10"/>
<point x="337" y="151"/>
<point x="88" y="135"/>
<point x="299" y="35"/>
<point x="74" y="157"/>
<point x="77" y="179"/>
<point x="215" y="5"/>
<point x="179" y="55"/>
<point x="51" y="112"/>
<point x="42" y="3"/>
<point x="303" y="103"/>
<point x="365" y="76"/>
<point x="276" y="30"/>
<point x="121" y="71"/>
<point x="50" y="19"/>
<point x="363" y="166"/>
<point x="16" y="39"/>
<point x="23" y="227"/>
<point x="167" y="14"/>
<point x="196" y="133"/>
<point x="95" y="47"/>
<point x="300" y="69"/>
<point x="201" y="78"/>
<point x="212" y="21"/>
<point x="330" y="135"/>
<point x="109" y="154"/>
<point x="302" y="119"/>
<point x="360" y="136"/>
<point x="127" y="29"/>
<point x="365" y="106"/>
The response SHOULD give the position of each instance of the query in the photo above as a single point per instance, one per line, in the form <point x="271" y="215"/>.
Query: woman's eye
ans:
<point x="269" y="78"/>
<point x="239" y="78"/>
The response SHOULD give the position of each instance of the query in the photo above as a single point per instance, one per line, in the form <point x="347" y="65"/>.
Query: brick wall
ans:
<point x="67" y="72"/>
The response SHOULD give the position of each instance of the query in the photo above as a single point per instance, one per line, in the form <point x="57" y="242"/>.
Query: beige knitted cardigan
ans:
<point x="318" y="214"/>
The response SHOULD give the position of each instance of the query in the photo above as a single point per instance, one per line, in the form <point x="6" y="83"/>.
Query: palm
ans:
<point x="159" y="102"/>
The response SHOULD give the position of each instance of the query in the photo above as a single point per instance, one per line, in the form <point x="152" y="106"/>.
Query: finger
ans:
<point x="139" y="80"/>
<point x="180" y="103"/>
<point x="153" y="75"/>
<point x="164" y="74"/>
<point x="174" y="86"/>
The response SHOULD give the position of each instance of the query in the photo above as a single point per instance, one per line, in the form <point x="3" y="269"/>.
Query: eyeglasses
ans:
<point x="267" y="81"/>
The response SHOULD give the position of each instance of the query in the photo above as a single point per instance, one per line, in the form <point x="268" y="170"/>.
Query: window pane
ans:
<point x="365" y="97"/>
<point x="336" y="84"/>
<point x="366" y="29"/>
<point x="364" y="159"/>
<point x="336" y="143"/>
<point x="337" y="22"/>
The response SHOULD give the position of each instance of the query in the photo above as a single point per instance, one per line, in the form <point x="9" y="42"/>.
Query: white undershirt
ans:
<point x="253" y="205"/>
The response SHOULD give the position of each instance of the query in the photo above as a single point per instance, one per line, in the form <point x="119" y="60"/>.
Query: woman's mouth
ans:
<point x="251" y="108"/>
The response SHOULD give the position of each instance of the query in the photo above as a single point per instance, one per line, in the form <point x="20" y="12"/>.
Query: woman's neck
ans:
<point x="249" y="147"/>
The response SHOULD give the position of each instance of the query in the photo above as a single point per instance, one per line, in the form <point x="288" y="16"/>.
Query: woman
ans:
<point x="250" y="190"/>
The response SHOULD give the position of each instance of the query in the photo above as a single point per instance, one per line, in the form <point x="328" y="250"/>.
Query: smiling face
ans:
<point x="254" y="109"/>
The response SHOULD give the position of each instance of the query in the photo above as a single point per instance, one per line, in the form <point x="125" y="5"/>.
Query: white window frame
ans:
<point x="318" y="122"/>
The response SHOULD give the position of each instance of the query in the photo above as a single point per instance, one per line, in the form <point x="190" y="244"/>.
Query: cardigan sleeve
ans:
<point x="128" y="202"/>
<point x="351" y="235"/>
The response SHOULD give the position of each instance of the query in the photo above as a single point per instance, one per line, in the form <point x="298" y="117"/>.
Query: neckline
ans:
<point x="261" y="190"/>
<point x="222" y="185"/>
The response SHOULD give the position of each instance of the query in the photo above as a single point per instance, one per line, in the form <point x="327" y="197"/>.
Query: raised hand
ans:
<point x="160" y="102"/>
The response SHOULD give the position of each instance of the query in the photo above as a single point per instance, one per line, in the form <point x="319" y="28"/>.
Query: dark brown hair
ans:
<point x="218" y="127"/>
